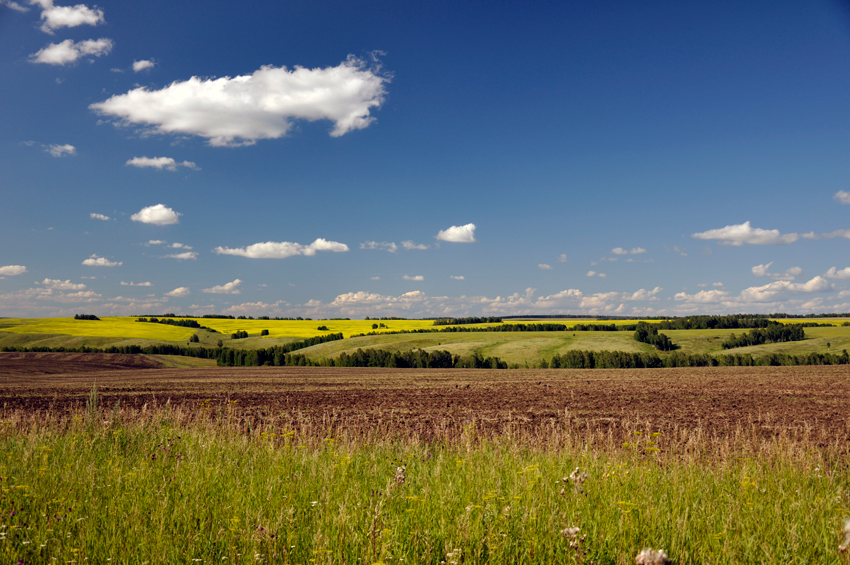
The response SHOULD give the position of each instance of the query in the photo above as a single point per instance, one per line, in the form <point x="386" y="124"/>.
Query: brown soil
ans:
<point x="26" y="364"/>
<point x="761" y="401"/>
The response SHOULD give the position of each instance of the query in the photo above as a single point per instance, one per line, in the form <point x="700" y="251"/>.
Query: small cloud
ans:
<point x="179" y="292"/>
<point x="458" y="277"/>
<point x="410" y="246"/>
<point x="183" y="256"/>
<point x="383" y="245"/>
<point x="94" y="216"/>
<point x="283" y="249"/>
<point x="229" y="288"/>
<point x="740" y="234"/>
<point x="637" y="250"/>
<point x="61" y="150"/>
<point x="842" y="196"/>
<point x="95" y="261"/>
<point x="619" y="251"/>
<point x="155" y="242"/>
<point x="159" y="215"/>
<point x="717" y="284"/>
<point x="633" y="251"/>
<point x="834" y="273"/>
<point x="14" y="5"/>
<point x="68" y="52"/>
<point x="139" y="66"/>
<point x="375" y="278"/>
<point x="544" y="266"/>
<point x="789" y="275"/>
<point x="167" y="163"/>
<point x="57" y="284"/>
<point x="413" y="278"/>
<point x="131" y="283"/>
<point x="12" y="270"/>
<point x="458" y="234"/>
<point x="180" y="246"/>
<point x="562" y="258"/>
<point x="55" y="17"/>
<point x="680" y="251"/>
<point x="595" y="274"/>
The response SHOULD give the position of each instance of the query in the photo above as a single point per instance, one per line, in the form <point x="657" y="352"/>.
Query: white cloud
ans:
<point x="282" y="250"/>
<point x="458" y="234"/>
<point x="229" y="288"/>
<point x="160" y="163"/>
<point x="94" y="216"/>
<point x="717" y="284"/>
<point x="159" y="215"/>
<point x="619" y="251"/>
<point x="155" y="242"/>
<point x="761" y="270"/>
<point x="12" y="270"/>
<point x="14" y="5"/>
<point x="595" y="274"/>
<point x="740" y="234"/>
<point x="55" y="17"/>
<point x="703" y="296"/>
<point x="562" y="258"/>
<point x="61" y="150"/>
<point x="788" y="275"/>
<point x="842" y="196"/>
<point x="179" y="292"/>
<point x="95" y="261"/>
<point x="384" y="245"/>
<point x="837" y="233"/>
<point x="68" y="52"/>
<point x="183" y="256"/>
<point x="135" y="284"/>
<point x="643" y="294"/>
<point x="833" y="273"/>
<point x="139" y="66"/>
<point x="413" y="278"/>
<point x="458" y="277"/>
<point x="633" y="251"/>
<point x="56" y="284"/>
<point x="240" y="110"/>
<point x="544" y="266"/>
<point x="410" y="245"/>
<point x="375" y="278"/>
<point x="776" y="289"/>
<point x="180" y="246"/>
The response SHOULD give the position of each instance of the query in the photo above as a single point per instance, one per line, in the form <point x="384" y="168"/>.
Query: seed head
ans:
<point x="649" y="556"/>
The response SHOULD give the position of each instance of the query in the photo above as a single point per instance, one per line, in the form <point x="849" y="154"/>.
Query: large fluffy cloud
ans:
<point x="12" y="270"/>
<point x="55" y="17"/>
<point x="243" y="109"/>
<point x="282" y="249"/>
<point x="834" y="273"/>
<point x="68" y="52"/>
<point x="159" y="215"/>
<point x="740" y="234"/>
<point x="228" y="288"/>
<point x="458" y="234"/>
<point x="166" y="163"/>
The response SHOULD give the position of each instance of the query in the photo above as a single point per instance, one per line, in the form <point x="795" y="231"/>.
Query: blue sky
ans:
<point x="423" y="159"/>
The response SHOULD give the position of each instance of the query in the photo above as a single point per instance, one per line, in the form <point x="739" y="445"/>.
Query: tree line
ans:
<point x="774" y="333"/>
<point x="411" y="359"/>
<point x="86" y="317"/>
<point x="579" y="359"/>
<point x="171" y="322"/>
<point x="648" y="333"/>
<point x="470" y="320"/>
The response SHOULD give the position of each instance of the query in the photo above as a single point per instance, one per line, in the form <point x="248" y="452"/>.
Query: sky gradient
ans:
<point x="424" y="158"/>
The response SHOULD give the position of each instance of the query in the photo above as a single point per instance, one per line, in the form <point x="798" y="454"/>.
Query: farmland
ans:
<point x="111" y="458"/>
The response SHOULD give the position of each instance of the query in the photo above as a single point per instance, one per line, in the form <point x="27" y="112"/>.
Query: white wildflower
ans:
<point x="846" y="545"/>
<point x="649" y="556"/>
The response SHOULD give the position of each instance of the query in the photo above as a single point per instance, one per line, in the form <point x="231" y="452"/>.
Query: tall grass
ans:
<point x="113" y="485"/>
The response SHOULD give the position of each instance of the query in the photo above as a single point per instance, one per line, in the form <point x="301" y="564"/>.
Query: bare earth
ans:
<point x="763" y="401"/>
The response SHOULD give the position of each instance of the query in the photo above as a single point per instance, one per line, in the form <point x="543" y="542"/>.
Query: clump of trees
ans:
<point x="194" y="338"/>
<point x="470" y="320"/>
<point x="86" y="317"/>
<point x="264" y="332"/>
<point x="774" y="333"/>
<point x="240" y="334"/>
<point x="170" y="322"/>
<point x="323" y="328"/>
<point x="648" y="333"/>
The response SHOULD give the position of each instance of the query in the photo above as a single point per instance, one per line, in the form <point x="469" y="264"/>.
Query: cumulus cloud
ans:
<point x="139" y="66"/>
<point x="457" y="277"/>
<point x="183" y="256"/>
<point x="413" y="278"/>
<point x="383" y="245"/>
<point x="282" y="250"/>
<point x="240" y="110"/>
<point x="159" y="215"/>
<point x="56" y="284"/>
<point x="94" y="216"/>
<point x="643" y="294"/>
<point x="95" y="261"/>
<point x="842" y="196"/>
<point x="155" y="242"/>
<point x="544" y="266"/>
<point x="833" y="234"/>
<point x="179" y="292"/>
<point x="229" y="288"/>
<point x="12" y="270"/>
<point x="774" y="290"/>
<point x="740" y="234"/>
<point x="410" y="245"/>
<point x="562" y="258"/>
<point x="458" y="234"/>
<point x="61" y="150"/>
<point x="788" y="275"/>
<point x="702" y="297"/>
<point x="131" y="283"/>
<point x="55" y="17"/>
<point x="595" y="274"/>
<point x="180" y="246"/>
<point x="834" y="273"/>
<point x="160" y="163"/>
<point x="68" y="52"/>
<point x="14" y="5"/>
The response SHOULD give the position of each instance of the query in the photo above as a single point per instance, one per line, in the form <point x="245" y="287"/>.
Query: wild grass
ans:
<point x="110" y="484"/>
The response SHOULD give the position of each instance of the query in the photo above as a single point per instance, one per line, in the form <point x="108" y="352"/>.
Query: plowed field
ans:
<point x="810" y="402"/>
